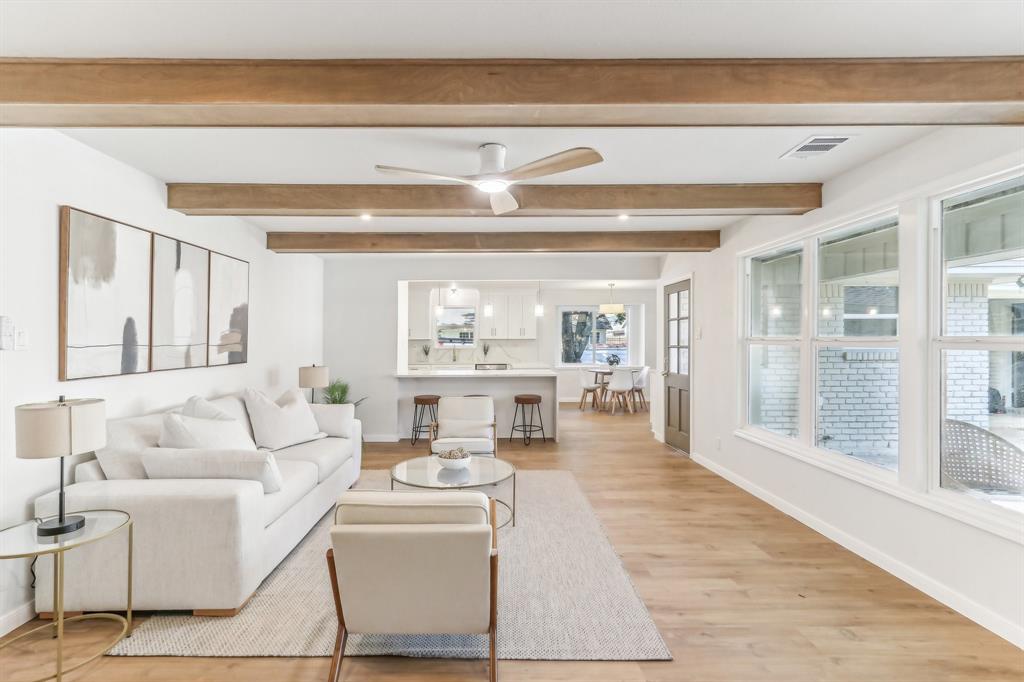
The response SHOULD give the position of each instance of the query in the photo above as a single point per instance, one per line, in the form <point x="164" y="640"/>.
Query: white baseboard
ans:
<point x="981" y="615"/>
<point x="381" y="438"/>
<point x="19" y="615"/>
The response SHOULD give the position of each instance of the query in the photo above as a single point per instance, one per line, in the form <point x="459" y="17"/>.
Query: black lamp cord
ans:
<point x="32" y="566"/>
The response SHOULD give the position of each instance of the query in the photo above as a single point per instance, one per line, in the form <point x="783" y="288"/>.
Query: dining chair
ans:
<point x="620" y="387"/>
<point x="589" y="388"/>
<point x="639" y="385"/>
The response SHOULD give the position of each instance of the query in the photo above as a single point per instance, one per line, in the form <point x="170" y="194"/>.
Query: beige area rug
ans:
<point x="563" y="595"/>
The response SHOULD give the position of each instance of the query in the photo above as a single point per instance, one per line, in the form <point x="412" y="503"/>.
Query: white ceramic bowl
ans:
<point x="454" y="463"/>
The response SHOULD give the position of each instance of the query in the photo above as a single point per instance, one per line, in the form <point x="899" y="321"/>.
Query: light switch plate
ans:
<point x="6" y="333"/>
<point x="20" y="339"/>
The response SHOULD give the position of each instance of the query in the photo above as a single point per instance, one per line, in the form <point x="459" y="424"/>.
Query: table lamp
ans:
<point x="60" y="429"/>
<point x="314" y="377"/>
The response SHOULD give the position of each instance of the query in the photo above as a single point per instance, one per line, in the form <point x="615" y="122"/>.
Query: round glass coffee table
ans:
<point x="427" y="472"/>
<point x="22" y="542"/>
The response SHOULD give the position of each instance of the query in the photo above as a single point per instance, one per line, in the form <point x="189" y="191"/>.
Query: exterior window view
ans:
<point x="456" y="327"/>
<point x="982" y="346"/>
<point x="593" y="338"/>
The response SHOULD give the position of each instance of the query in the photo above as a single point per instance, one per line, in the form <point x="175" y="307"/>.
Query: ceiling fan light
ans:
<point x="491" y="186"/>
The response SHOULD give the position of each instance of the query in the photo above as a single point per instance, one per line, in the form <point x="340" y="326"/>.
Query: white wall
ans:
<point x="360" y="311"/>
<point x="39" y="171"/>
<point x="970" y="569"/>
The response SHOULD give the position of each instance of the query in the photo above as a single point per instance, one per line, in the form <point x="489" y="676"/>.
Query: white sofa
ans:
<point x="202" y="545"/>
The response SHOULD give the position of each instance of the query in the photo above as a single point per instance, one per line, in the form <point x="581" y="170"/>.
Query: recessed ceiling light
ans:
<point x="365" y="216"/>
<point x="623" y="216"/>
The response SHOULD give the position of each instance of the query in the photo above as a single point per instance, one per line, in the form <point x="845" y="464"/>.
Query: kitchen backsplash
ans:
<point x="517" y="353"/>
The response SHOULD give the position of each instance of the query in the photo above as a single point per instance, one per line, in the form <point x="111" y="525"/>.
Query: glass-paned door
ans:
<point x="677" y="365"/>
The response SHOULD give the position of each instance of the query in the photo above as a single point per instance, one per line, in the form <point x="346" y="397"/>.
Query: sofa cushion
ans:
<point x="464" y="428"/>
<point x="183" y="431"/>
<point x="476" y="446"/>
<point x="327" y="454"/>
<point x="126" y="439"/>
<point x="297" y="479"/>
<point x="246" y="465"/>
<point x="279" y="424"/>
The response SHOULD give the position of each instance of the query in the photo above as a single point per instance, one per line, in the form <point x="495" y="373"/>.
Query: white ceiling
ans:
<point x="505" y="28"/>
<point x="347" y="155"/>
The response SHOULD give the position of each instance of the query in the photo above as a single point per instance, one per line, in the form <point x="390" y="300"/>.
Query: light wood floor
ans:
<point x="740" y="591"/>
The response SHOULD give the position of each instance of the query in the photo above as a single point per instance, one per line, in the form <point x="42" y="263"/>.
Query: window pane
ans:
<point x="684" y="360"/>
<point x="455" y="327"/>
<point x="775" y="294"/>
<point x="684" y="303"/>
<point x="983" y="256"/>
<point x="858" y="403"/>
<point x="774" y="388"/>
<point x="577" y="336"/>
<point x="673" y="304"/>
<point x="611" y="338"/>
<point x="858" y="278"/>
<point x="673" y="333"/>
<point x="684" y="332"/>
<point x="673" y="363"/>
<point x="982" y="450"/>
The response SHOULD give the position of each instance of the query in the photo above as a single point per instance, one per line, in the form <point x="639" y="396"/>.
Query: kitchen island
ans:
<point x="500" y="384"/>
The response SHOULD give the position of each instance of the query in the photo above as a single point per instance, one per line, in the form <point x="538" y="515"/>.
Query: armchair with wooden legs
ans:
<point x="381" y="544"/>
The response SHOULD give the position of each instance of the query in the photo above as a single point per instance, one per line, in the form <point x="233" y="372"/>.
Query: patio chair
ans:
<point x="976" y="459"/>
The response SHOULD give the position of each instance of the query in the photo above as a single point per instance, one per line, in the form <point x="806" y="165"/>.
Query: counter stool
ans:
<point x="423" y="406"/>
<point x="527" y="428"/>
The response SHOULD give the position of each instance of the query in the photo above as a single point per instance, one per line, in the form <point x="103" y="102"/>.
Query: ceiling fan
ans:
<point x="495" y="180"/>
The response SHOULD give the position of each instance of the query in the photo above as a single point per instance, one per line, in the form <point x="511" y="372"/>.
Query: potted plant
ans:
<point x="336" y="393"/>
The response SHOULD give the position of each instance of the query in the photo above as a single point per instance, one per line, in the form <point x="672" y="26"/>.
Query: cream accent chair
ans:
<point x="414" y="563"/>
<point x="465" y="423"/>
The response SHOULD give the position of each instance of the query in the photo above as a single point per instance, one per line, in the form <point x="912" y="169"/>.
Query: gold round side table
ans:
<point x="21" y="541"/>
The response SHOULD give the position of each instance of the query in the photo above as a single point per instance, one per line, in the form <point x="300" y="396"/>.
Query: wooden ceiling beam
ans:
<point x="494" y="242"/>
<point x="461" y="200"/>
<point x="466" y="93"/>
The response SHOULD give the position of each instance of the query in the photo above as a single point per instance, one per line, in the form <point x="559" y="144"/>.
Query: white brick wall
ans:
<point x="967" y="372"/>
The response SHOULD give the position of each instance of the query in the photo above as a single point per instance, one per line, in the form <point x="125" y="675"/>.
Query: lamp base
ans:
<point x="58" y="527"/>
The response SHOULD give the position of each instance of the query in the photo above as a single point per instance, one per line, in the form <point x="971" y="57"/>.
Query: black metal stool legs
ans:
<point x="527" y="427"/>
<point x="418" y="427"/>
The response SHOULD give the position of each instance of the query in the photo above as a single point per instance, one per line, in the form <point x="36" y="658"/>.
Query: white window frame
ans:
<point x="818" y="342"/>
<point x="985" y="512"/>
<point x="748" y="340"/>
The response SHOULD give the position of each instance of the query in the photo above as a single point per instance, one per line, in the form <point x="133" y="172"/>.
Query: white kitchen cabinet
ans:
<point x="495" y="324"/>
<point x="522" y="320"/>
<point x="420" y="313"/>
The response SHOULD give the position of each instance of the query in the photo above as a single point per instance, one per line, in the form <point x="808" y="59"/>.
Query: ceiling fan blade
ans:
<point x="556" y="163"/>
<point x="412" y="173"/>
<point x="503" y="202"/>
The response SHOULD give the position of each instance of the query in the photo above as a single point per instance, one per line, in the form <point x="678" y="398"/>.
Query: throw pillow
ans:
<point x="335" y="420"/>
<point x="204" y="409"/>
<point x="276" y="425"/>
<point x="249" y="465"/>
<point x="181" y="431"/>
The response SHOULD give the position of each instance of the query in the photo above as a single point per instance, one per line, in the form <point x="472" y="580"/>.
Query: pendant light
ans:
<point x="538" y="308"/>
<point x="611" y="308"/>
<point x="438" y="309"/>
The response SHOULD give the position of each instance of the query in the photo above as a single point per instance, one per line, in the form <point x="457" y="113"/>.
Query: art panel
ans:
<point x="105" y="296"/>
<point x="180" y="303"/>
<point x="229" y="310"/>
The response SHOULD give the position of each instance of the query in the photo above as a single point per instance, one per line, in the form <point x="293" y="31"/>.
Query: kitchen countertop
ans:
<point x="476" y="373"/>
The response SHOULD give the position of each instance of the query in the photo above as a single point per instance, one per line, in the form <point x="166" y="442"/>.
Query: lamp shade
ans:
<point x="60" y="428"/>
<point x="611" y="308"/>
<point x="314" y="377"/>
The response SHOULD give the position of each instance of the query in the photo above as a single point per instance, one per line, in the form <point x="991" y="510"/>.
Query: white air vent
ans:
<point x="815" y="146"/>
